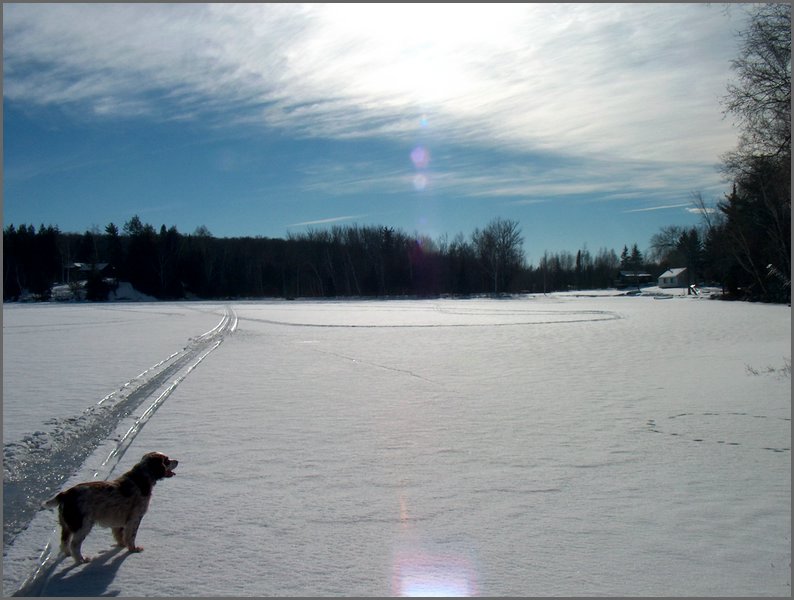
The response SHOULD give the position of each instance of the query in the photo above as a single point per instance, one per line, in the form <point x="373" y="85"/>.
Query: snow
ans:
<point x="123" y="291"/>
<point x="570" y="444"/>
<point x="60" y="358"/>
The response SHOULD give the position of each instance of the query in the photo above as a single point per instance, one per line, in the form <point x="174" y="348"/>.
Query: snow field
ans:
<point x="59" y="359"/>
<point x="540" y="446"/>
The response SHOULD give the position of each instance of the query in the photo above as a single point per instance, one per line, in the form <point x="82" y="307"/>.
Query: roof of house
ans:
<point x="89" y="267"/>
<point x="673" y="272"/>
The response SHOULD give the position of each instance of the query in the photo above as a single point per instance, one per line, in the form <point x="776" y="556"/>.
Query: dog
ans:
<point x="119" y="504"/>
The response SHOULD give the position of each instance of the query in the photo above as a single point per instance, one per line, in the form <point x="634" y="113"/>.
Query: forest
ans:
<point x="743" y="244"/>
<point x="342" y="261"/>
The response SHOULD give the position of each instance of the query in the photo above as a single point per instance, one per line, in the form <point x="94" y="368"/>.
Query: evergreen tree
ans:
<point x="635" y="261"/>
<point x="625" y="260"/>
<point x="757" y="223"/>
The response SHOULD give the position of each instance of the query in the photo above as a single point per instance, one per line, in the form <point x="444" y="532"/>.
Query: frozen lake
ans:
<point x="532" y="446"/>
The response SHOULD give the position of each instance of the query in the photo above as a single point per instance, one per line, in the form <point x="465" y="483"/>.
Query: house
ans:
<point x="81" y="271"/>
<point x="632" y="278"/>
<point x="92" y="281"/>
<point x="674" y="278"/>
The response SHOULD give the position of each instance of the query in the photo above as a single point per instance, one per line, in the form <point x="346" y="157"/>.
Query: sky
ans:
<point x="591" y="125"/>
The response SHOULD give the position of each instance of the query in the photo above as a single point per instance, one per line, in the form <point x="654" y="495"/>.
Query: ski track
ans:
<point x="36" y="467"/>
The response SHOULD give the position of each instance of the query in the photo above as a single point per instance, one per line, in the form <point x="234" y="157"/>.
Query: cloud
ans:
<point x="505" y="178"/>
<point x="327" y="221"/>
<point x="598" y="78"/>
<point x="705" y="210"/>
<point x="652" y="208"/>
<point x="631" y="90"/>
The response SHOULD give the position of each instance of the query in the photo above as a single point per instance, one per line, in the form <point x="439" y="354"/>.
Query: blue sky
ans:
<point x="590" y="124"/>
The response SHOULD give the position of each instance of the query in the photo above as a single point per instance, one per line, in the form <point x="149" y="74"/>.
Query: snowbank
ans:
<point x="125" y="291"/>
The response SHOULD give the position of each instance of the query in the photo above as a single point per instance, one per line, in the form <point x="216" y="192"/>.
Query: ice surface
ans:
<point x="534" y="446"/>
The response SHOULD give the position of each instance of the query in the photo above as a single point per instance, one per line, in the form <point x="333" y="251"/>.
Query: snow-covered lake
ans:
<point x="531" y="446"/>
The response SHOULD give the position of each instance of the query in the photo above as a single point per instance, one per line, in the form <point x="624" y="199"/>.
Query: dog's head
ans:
<point x="159" y="465"/>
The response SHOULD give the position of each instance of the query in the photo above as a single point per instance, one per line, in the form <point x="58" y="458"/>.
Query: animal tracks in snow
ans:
<point x="723" y="428"/>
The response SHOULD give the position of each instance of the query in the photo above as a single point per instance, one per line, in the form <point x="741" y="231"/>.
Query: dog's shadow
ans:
<point x="90" y="579"/>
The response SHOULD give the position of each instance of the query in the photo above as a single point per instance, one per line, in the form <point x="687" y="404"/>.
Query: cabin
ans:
<point x="81" y="271"/>
<point x="633" y="278"/>
<point x="674" y="278"/>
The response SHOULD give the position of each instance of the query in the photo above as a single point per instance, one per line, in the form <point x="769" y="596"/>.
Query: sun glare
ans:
<point x="422" y="574"/>
<point x="422" y="51"/>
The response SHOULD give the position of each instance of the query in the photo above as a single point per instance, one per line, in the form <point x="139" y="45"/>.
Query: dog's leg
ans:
<point x="130" y="531"/>
<point x="118" y="535"/>
<point x="77" y="541"/>
<point x="65" y="535"/>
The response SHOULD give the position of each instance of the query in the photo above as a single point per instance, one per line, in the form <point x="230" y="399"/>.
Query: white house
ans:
<point x="673" y="278"/>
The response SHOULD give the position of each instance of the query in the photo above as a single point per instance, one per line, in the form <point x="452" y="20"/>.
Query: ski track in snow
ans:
<point x="37" y="467"/>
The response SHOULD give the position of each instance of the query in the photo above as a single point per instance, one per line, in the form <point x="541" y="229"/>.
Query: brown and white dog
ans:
<point x="119" y="504"/>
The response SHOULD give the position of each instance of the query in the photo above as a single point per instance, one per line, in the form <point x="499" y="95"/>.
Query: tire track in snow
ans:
<point x="38" y="466"/>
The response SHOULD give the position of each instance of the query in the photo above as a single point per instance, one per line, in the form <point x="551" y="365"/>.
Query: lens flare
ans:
<point x="425" y="575"/>
<point x="420" y="157"/>
<point x="418" y="570"/>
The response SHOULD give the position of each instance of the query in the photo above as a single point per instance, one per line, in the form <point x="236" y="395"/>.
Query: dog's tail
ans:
<point x="53" y="502"/>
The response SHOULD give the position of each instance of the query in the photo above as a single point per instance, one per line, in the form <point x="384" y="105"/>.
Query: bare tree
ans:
<point x="500" y="250"/>
<point x="761" y="97"/>
<point x="665" y="242"/>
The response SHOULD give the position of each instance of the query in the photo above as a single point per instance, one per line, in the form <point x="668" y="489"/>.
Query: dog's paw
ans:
<point x="135" y="548"/>
<point x="81" y="560"/>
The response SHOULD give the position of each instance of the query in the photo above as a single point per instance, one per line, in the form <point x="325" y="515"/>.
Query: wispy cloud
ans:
<point x="632" y="90"/>
<point x="346" y="177"/>
<point x="652" y="208"/>
<point x="599" y="78"/>
<point x="328" y="221"/>
<point x="511" y="179"/>
<point x="704" y="210"/>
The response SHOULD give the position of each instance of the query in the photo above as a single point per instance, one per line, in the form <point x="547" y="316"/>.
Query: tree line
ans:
<point x="342" y="261"/>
